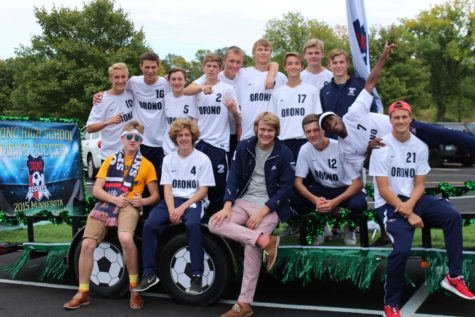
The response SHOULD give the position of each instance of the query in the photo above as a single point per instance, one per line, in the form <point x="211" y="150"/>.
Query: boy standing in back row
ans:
<point x="213" y="111"/>
<point x="233" y="61"/>
<point x="252" y="94"/>
<point x="292" y="102"/>
<point x="315" y="74"/>
<point x="112" y="112"/>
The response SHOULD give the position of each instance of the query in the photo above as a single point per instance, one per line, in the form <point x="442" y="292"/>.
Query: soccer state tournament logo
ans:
<point x="36" y="180"/>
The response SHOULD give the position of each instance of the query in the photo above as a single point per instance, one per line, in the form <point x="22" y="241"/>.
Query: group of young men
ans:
<point x="274" y="127"/>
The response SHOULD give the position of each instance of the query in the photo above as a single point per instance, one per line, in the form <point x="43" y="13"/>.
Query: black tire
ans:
<point x="216" y="258"/>
<point x="91" y="170"/>
<point x="116" y="287"/>
<point x="435" y="158"/>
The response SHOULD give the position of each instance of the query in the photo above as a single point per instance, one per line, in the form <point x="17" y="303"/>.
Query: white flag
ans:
<point x="359" y="41"/>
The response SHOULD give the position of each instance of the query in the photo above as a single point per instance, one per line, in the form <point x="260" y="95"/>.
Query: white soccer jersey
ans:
<point x="176" y="107"/>
<point x="326" y="166"/>
<point x="400" y="163"/>
<point x="317" y="80"/>
<point x="213" y="115"/>
<point x="202" y="80"/>
<point x="148" y="107"/>
<point x="291" y="105"/>
<point x="187" y="174"/>
<point x="109" y="106"/>
<point x="362" y="126"/>
<point x="252" y="96"/>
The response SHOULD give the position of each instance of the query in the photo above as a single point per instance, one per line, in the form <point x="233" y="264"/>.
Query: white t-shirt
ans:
<point x="213" y="115"/>
<point x="317" y="80"/>
<point x="252" y="96"/>
<point x="148" y="107"/>
<point x="327" y="167"/>
<point x="291" y="105"/>
<point x="187" y="174"/>
<point x="202" y="80"/>
<point x="109" y="106"/>
<point x="362" y="126"/>
<point x="176" y="107"/>
<point x="400" y="163"/>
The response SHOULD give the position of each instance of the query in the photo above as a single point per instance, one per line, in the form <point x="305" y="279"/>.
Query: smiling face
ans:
<point x="118" y="78"/>
<point x="149" y="69"/>
<point x="262" y="54"/>
<point x="401" y="122"/>
<point x="339" y="65"/>
<point x="333" y="124"/>
<point x="314" y="134"/>
<point x="293" y="66"/>
<point x="266" y="135"/>
<point x="131" y="142"/>
<point x="232" y="64"/>
<point x="313" y="55"/>
<point x="184" y="140"/>
<point x="177" y="81"/>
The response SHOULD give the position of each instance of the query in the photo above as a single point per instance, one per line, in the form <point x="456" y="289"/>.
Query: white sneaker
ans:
<point x="350" y="238"/>
<point x="319" y="240"/>
<point x="327" y="230"/>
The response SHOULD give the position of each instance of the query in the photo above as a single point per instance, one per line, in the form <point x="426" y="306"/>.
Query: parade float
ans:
<point x="42" y="179"/>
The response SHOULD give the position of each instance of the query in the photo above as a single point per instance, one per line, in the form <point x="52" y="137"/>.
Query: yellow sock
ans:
<point x="84" y="287"/>
<point x="134" y="280"/>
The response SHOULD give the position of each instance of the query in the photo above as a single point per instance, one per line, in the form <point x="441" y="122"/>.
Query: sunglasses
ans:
<point x="129" y="137"/>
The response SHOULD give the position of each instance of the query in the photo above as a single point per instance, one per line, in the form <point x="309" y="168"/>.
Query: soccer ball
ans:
<point x="108" y="266"/>
<point x="180" y="269"/>
<point x="37" y="179"/>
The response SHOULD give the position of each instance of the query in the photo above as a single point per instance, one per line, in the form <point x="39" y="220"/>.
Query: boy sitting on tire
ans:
<point x="119" y="186"/>
<point x="186" y="175"/>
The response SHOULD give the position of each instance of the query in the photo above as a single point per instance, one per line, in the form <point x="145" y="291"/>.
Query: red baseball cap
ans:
<point x="399" y="105"/>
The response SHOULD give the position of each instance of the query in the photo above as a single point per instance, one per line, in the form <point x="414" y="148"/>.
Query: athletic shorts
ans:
<point x="127" y="222"/>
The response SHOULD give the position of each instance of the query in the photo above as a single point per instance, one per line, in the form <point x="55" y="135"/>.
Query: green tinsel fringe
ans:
<point x="41" y="119"/>
<point x="55" y="267"/>
<point x="314" y="225"/>
<point x="359" y="265"/>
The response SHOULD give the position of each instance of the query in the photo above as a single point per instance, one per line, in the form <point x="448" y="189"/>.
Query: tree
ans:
<point x="6" y="84"/>
<point x="68" y="62"/>
<point x="444" y="37"/>
<point x="293" y="30"/>
<point x="404" y="76"/>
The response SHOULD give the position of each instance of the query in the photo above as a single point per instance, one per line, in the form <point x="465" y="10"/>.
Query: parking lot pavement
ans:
<point x="273" y="298"/>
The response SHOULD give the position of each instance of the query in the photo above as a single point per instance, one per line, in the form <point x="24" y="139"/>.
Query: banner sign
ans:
<point x="359" y="42"/>
<point x="40" y="167"/>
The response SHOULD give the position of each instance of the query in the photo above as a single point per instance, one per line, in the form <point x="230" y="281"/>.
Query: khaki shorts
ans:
<point x="127" y="222"/>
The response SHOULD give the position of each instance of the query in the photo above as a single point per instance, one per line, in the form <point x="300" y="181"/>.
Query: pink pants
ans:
<point x="235" y="230"/>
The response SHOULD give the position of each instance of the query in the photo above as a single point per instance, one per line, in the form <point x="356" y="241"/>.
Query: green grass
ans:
<point x="43" y="233"/>
<point x="62" y="233"/>
<point x="437" y="238"/>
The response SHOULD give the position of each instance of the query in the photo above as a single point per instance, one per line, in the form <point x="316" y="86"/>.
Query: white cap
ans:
<point x="323" y="116"/>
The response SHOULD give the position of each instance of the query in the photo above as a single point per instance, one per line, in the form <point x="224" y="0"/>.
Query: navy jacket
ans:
<point x="338" y="98"/>
<point x="278" y="169"/>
